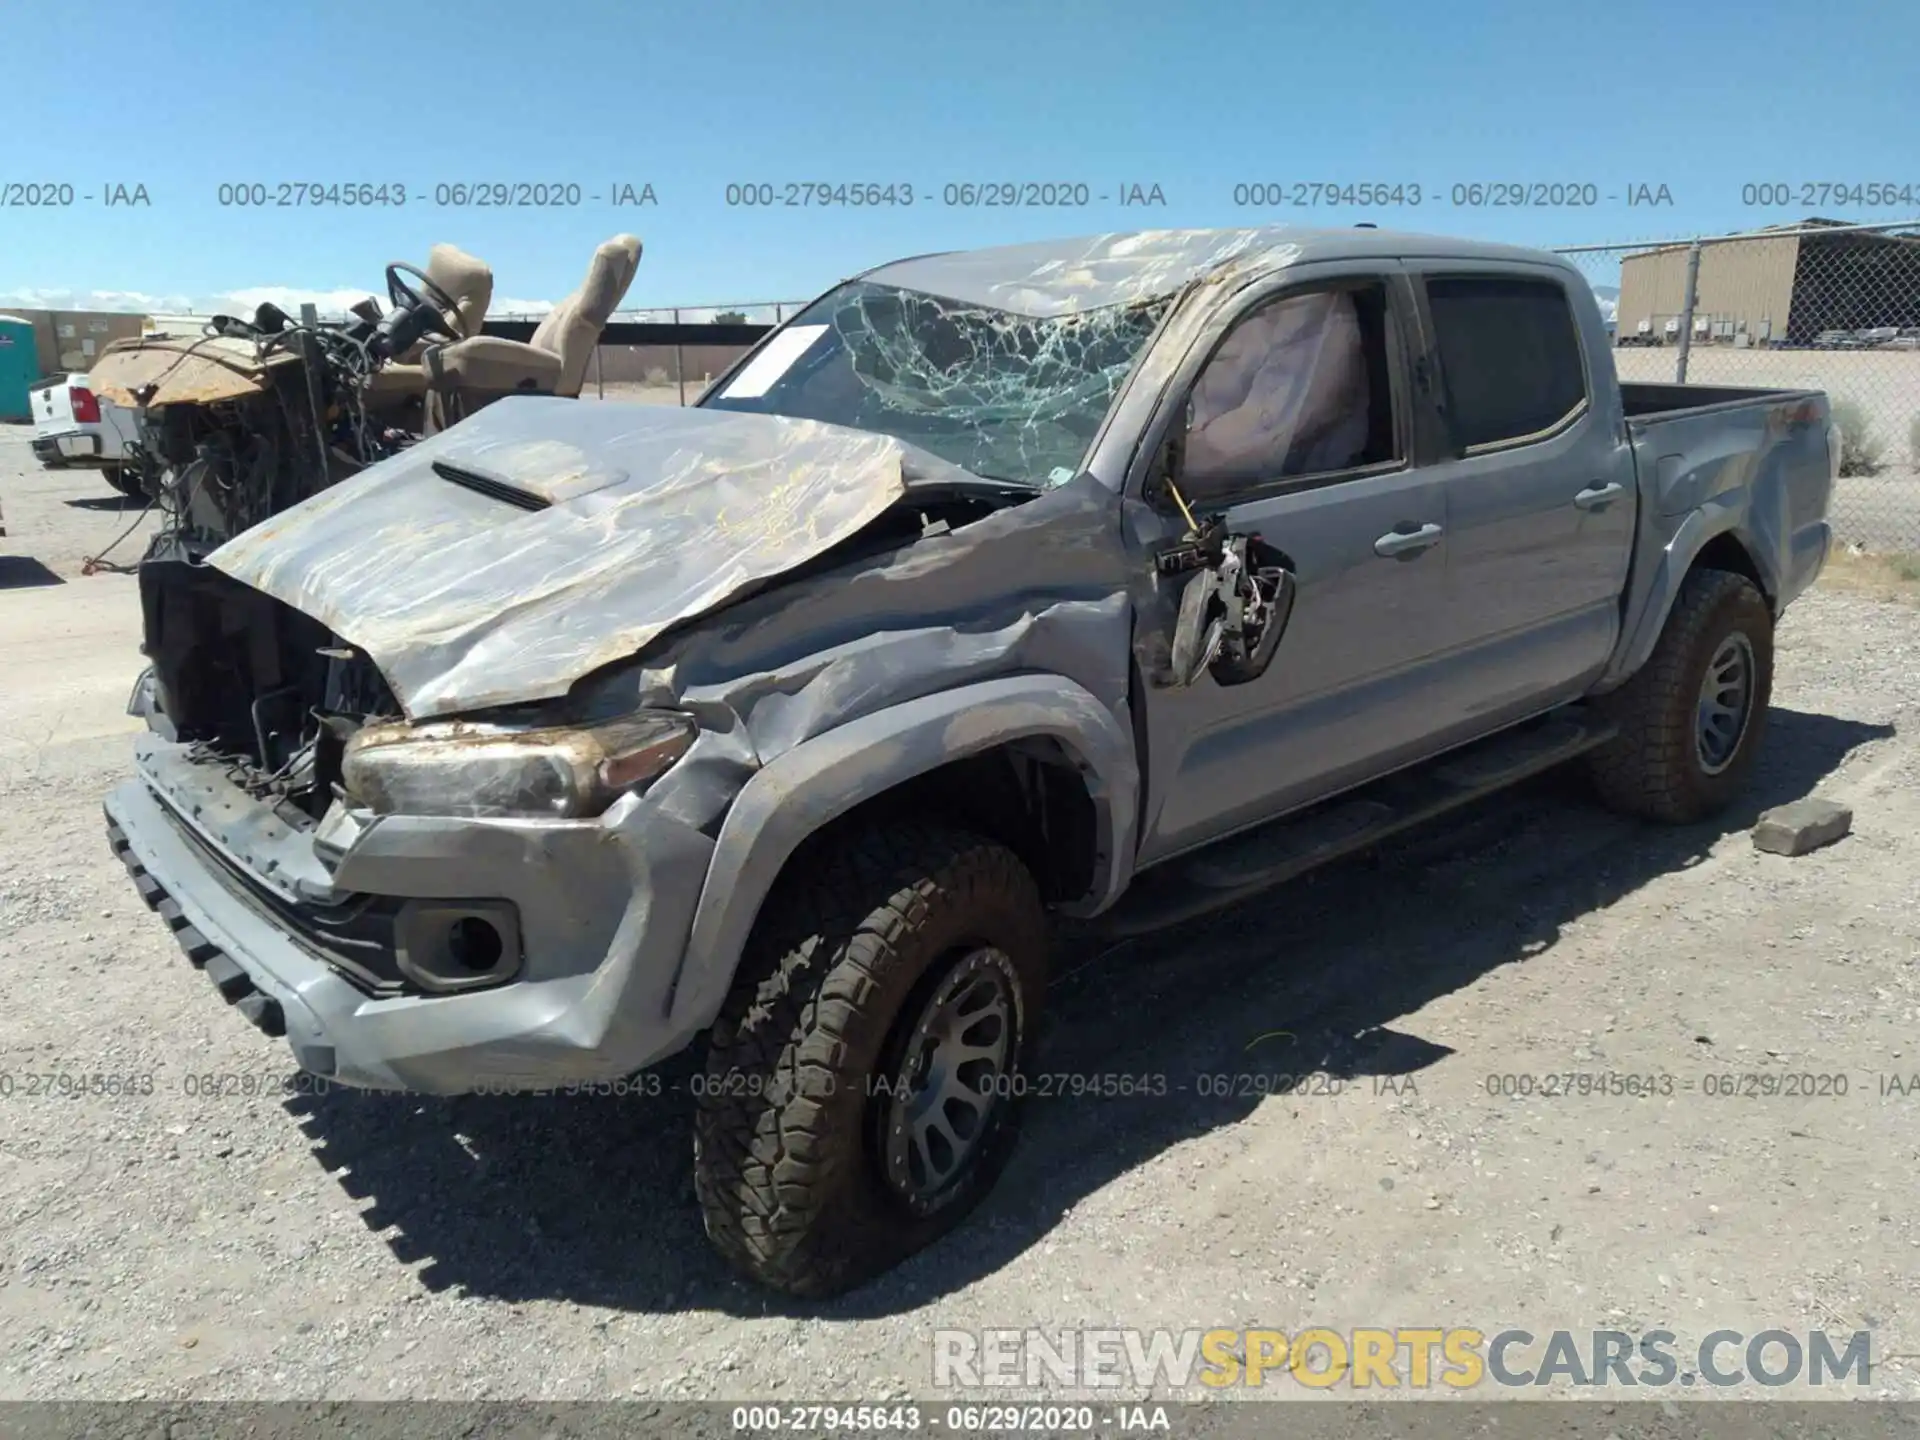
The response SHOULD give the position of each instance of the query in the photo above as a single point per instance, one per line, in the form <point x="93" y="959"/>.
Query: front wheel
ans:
<point x="1692" y="718"/>
<point x="862" y="1085"/>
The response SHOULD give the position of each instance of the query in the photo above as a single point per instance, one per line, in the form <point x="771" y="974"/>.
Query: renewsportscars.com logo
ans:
<point x="1400" y="1358"/>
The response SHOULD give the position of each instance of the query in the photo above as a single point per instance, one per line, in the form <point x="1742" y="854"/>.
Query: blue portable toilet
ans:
<point x="19" y="367"/>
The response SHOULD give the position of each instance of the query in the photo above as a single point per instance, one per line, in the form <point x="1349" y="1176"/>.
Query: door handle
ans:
<point x="1407" y="542"/>
<point x="1596" y="497"/>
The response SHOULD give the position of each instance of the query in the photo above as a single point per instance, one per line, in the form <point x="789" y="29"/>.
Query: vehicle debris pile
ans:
<point x="253" y="416"/>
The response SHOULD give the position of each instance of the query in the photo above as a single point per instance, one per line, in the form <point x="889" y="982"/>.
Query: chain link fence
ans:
<point x="1818" y="305"/>
<point x="674" y="374"/>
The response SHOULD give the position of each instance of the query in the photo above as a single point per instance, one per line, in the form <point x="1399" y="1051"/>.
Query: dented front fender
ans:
<point x="824" y="778"/>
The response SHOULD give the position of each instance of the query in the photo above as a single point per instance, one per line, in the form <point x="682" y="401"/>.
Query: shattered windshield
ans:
<point x="1008" y="396"/>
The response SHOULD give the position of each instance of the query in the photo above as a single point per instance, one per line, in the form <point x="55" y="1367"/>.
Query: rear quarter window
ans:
<point x="1510" y="357"/>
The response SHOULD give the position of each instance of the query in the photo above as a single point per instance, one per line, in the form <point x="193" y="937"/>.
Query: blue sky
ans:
<point x="1195" y="96"/>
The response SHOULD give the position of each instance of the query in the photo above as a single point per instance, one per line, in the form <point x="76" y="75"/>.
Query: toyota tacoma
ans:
<point x="1113" y="578"/>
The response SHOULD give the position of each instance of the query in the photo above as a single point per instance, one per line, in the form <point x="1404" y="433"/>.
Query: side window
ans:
<point x="1300" y="386"/>
<point x="1509" y="355"/>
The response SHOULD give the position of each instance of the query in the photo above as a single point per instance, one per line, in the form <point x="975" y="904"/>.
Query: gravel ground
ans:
<point x="174" y="1244"/>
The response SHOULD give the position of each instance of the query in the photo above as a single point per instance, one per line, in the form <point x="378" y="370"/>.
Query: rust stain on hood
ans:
<point x="187" y="370"/>
<point x="544" y="538"/>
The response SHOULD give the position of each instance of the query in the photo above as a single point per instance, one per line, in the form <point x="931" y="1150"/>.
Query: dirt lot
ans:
<point x="175" y="1244"/>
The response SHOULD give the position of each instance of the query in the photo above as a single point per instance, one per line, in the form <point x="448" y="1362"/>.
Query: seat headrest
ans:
<point x="467" y="280"/>
<point x="572" y="328"/>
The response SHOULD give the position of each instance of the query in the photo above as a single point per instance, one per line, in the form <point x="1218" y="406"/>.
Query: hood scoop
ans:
<point x="532" y="472"/>
<point x="487" y="482"/>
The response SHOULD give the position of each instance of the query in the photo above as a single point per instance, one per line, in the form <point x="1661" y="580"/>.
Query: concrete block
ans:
<point x="1802" y="826"/>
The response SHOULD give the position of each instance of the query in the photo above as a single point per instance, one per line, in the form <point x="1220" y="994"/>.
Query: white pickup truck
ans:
<point x="74" y="426"/>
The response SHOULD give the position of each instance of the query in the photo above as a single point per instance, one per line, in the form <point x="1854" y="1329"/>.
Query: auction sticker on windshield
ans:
<point x="766" y="368"/>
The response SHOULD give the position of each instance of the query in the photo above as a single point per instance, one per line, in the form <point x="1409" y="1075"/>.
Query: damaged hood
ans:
<point x="543" y="538"/>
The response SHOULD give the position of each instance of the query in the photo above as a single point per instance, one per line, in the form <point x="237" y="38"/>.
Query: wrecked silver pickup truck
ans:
<point x="1112" y="578"/>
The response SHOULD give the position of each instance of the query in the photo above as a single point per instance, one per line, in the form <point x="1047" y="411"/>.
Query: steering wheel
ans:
<point x="442" y="312"/>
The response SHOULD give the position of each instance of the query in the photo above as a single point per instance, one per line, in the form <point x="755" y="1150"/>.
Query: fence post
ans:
<point x="316" y="399"/>
<point x="679" y="359"/>
<point x="1686" y="313"/>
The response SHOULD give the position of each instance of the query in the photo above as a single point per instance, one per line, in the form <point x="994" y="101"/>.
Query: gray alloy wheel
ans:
<point x="954" y="1074"/>
<point x="1726" y="704"/>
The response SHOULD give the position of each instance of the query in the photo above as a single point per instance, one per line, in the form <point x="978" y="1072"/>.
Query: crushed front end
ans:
<point x="439" y="908"/>
<point x="439" y="756"/>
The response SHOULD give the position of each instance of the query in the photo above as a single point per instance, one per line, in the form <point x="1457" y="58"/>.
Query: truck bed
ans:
<point x="60" y="437"/>
<point x="1755" y="462"/>
<point x="1656" y="400"/>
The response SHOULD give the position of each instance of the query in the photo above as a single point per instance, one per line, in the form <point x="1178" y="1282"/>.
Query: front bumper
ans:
<point x="605" y="908"/>
<point x="72" y="448"/>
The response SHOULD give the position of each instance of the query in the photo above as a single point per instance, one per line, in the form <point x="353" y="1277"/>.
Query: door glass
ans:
<point x="1509" y="354"/>
<point x="1298" y="387"/>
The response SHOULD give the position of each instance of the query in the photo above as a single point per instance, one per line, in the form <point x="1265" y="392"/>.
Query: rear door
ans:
<point x="1538" y="471"/>
<point x="1302" y="432"/>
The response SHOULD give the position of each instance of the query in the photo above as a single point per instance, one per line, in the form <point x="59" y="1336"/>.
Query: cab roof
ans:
<point x="1060" y="277"/>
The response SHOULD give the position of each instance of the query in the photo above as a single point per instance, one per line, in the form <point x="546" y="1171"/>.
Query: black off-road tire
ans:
<point x="855" y="938"/>
<point x="125" y="481"/>
<point x="1652" y="768"/>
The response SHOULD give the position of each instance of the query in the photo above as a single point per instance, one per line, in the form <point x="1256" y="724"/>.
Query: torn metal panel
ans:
<point x="433" y="564"/>
<point x="186" y="370"/>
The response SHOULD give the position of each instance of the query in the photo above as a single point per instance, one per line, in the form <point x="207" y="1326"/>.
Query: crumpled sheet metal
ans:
<point x="1061" y="277"/>
<point x="466" y="601"/>
<point x="1037" y="588"/>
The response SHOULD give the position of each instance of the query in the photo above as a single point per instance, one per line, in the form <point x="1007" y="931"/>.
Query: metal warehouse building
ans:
<point x="65" y="341"/>
<point x="1777" y="288"/>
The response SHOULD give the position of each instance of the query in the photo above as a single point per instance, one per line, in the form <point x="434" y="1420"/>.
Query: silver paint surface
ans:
<point x="653" y="515"/>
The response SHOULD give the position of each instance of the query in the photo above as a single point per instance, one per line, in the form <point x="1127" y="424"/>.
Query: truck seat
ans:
<point x="469" y="373"/>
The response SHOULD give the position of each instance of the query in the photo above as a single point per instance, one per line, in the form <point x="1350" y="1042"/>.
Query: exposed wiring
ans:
<point x="93" y="564"/>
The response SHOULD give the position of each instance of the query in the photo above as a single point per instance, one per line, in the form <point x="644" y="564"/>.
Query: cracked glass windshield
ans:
<point x="1007" y="396"/>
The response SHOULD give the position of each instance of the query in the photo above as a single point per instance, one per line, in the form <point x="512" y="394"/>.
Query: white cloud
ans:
<point x="289" y="298"/>
<point x="35" y="297"/>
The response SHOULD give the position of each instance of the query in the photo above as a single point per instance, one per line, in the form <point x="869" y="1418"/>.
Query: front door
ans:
<point x="1300" y="431"/>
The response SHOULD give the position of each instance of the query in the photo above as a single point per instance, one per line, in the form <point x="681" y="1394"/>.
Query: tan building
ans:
<point x="1774" y="289"/>
<point x="65" y="341"/>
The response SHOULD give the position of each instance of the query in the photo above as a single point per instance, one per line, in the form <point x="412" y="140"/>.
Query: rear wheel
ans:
<point x="1692" y="719"/>
<point x="862" y="1082"/>
<point x="126" y="481"/>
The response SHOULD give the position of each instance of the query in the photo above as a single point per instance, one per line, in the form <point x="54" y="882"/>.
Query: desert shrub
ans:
<point x="657" y="375"/>
<point x="1862" y="451"/>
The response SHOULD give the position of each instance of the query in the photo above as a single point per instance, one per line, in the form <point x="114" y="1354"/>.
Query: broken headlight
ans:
<point x="463" y="768"/>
